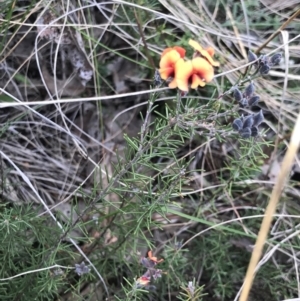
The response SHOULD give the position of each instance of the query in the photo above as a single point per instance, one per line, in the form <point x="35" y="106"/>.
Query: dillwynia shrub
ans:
<point x="152" y="175"/>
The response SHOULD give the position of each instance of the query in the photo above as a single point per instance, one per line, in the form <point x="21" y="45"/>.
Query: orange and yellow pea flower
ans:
<point x="169" y="57"/>
<point x="191" y="73"/>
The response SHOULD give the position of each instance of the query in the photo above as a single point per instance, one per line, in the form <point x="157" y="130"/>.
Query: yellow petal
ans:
<point x="203" y="69"/>
<point x="206" y="53"/>
<point x="173" y="84"/>
<point x="197" y="81"/>
<point x="183" y="72"/>
<point x="169" y="59"/>
<point x="179" y="49"/>
<point x="195" y="45"/>
<point x="167" y="63"/>
<point x="166" y="51"/>
<point x="165" y="73"/>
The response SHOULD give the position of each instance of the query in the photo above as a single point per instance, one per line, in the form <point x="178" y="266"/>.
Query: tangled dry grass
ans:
<point x="61" y="135"/>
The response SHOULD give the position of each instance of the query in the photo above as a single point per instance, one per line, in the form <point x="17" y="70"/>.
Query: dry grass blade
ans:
<point x="266" y="223"/>
<point x="276" y="33"/>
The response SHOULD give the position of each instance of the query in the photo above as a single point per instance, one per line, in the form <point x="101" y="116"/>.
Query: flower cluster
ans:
<point x="263" y="64"/>
<point x="151" y="273"/>
<point x="187" y="73"/>
<point x="246" y="99"/>
<point x="248" y="126"/>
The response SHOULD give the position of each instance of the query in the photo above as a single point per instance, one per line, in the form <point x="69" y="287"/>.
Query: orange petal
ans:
<point x="206" y="53"/>
<point x="180" y="50"/>
<point x="203" y="69"/>
<point x="166" y="51"/>
<point x="153" y="258"/>
<point x="183" y="72"/>
<point x="211" y="51"/>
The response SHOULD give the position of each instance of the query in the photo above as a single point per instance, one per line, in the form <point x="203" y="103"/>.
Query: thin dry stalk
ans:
<point x="266" y="223"/>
